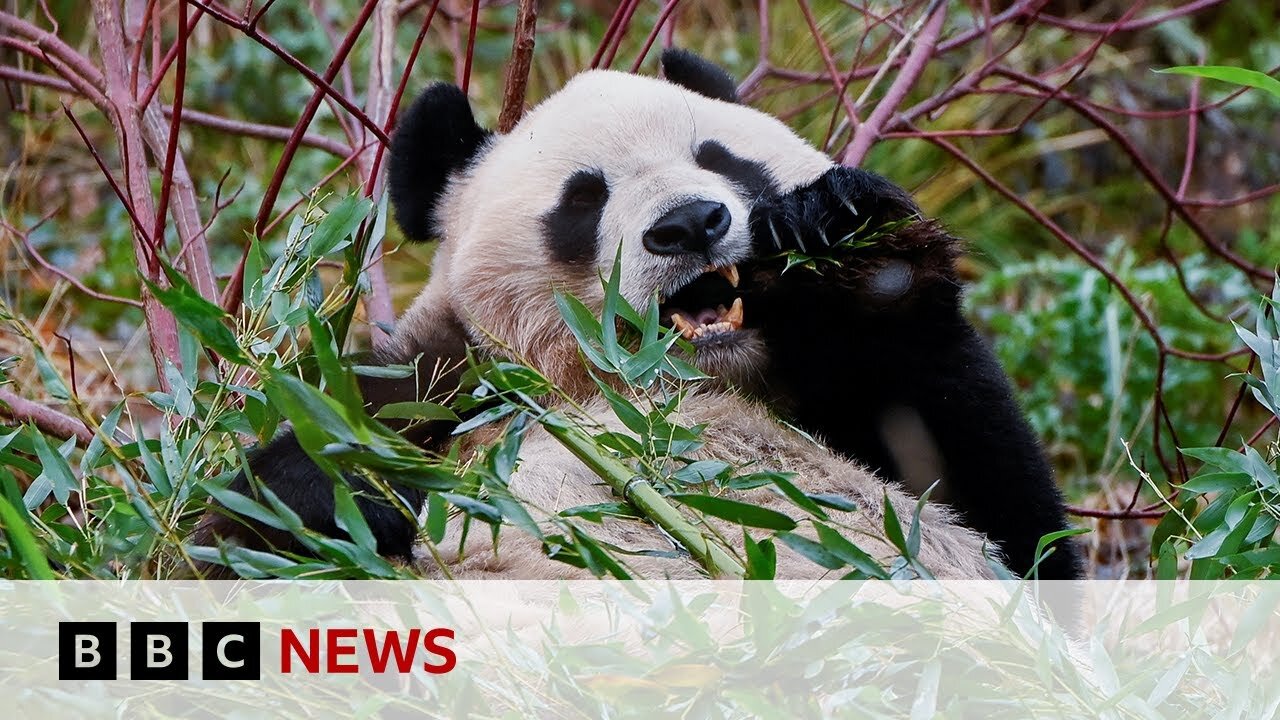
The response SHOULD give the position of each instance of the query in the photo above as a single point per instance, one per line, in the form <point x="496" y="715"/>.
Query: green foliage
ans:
<point x="1085" y="367"/>
<point x="1223" y="520"/>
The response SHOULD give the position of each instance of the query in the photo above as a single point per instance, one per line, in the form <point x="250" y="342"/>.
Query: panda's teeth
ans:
<point x="683" y="326"/>
<point x="728" y="272"/>
<point x="733" y="318"/>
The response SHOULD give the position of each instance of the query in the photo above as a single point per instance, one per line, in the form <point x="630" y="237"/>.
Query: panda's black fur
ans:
<point x="879" y="336"/>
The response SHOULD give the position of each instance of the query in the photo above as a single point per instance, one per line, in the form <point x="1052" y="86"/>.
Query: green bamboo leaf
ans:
<point x="1221" y="458"/>
<point x="1208" y="545"/>
<point x="646" y="359"/>
<point x="597" y="512"/>
<point x="394" y="372"/>
<point x="833" y="501"/>
<point x="205" y="320"/>
<point x="339" y="224"/>
<point x="437" y="517"/>
<point x="1048" y="539"/>
<point x="473" y="507"/>
<point x="794" y="494"/>
<point x="1216" y="482"/>
<point x="511" y="377"/>
<point x="50" y="378"/>
<point x="244" y="506"/>
<point x="348" y="517"/>
<point x="627" y="412"/>
<point x="701" y="472"/>
<point x="762" y="558"/>
<point x="493" y="414"/>
<point x="340" y="383"/>
<point x="812" y="550"/>
<point x="585" y="328"/>
<point x="1167" y="561"/>
<point x="736" y="512"/>
<point x="893" y="528"/>
<point x="416" y="411"/>
<point x="1234" y="75"/>
<point x="609" y="314"/>
<point x="854" y="556"/>
<point x="54" y="468"/>
<point x="242" y="561"/>
<point x="253" y="292"/>
<point x="23" y="542"/>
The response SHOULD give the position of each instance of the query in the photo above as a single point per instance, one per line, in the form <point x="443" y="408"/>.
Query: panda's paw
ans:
<point x="801" y="221"/>
<point x="855" y="229"/>
<point x="845" y="209"/>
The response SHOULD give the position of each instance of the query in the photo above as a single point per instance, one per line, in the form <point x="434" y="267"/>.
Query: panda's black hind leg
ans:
<point x="872" y="327"/>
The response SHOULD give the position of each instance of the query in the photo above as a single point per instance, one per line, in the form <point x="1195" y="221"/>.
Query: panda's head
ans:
<point x="661" y="173"/>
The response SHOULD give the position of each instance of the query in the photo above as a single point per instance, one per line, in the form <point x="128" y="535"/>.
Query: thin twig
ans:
<point x="72" y="280"/>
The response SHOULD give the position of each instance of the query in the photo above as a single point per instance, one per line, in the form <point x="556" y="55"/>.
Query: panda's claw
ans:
<point x="777" y="241"/>
<point x="795" y="233"/>
<point x="822" y="235"/>
<point x="848" y="205"/>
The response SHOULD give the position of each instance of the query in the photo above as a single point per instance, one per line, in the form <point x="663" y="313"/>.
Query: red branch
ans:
<point x="869" y="131"/>
<point x="44" y="417"/>
<point x="520" y="64"/>
<point x="308" y="112"/>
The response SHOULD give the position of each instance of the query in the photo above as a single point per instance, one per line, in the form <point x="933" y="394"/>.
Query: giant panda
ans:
<point x="864" y="378"/>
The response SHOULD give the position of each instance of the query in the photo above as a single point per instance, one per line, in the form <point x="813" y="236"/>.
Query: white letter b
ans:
<point x="158" y="647"/>
<point x="87" y="647"/>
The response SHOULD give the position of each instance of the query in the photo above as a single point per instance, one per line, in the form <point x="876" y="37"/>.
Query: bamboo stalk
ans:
<point x="637" y="491"/>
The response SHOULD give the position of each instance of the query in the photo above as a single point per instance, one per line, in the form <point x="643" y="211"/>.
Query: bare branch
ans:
<point x="43" y="417"/>
<point x="521" y="61"/>
<point x="869" y="131"/>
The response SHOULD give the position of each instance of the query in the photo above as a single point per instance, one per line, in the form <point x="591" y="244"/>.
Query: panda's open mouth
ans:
<point x="707" y="307"/>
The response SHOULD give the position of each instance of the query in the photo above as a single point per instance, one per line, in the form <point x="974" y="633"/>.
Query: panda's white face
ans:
<point x="613" y="161"/>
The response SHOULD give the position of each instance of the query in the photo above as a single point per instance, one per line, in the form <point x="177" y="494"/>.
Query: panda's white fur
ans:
<point x="551" y="479"/>
<point x="492" y="271"/>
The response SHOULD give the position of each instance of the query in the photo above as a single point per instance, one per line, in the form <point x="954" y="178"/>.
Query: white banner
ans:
<point x="612" y="649"/>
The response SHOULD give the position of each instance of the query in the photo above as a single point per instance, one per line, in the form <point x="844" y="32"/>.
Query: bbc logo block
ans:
<point x="159" y="651"/>
<point x="86" y="651"/>
<point x="231" y="651"/>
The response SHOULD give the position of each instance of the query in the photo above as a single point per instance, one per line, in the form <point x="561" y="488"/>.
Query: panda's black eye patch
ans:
<point x="749" y="175"/>
<point x="584" y="189"/>
<point x="572" y="228"/>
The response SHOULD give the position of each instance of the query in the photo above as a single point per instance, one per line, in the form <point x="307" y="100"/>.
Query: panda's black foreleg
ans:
<point x="869" y="350"/>
<point x="282" y="466"/>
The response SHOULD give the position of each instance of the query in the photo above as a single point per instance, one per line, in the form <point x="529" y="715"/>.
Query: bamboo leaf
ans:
<point x="736" y="512"/>
<point x="24" y="542"/>
<point x="1234" y="75"/>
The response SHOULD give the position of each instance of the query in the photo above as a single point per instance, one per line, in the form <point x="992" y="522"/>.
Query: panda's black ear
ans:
<point x="695" y="73"/>
<point x="434" y="137"/>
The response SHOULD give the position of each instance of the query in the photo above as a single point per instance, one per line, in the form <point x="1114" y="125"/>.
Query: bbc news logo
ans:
<point x="233" y="651"/>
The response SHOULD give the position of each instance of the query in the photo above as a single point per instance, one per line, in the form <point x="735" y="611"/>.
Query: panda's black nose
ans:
<point x="691" y="228"/>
